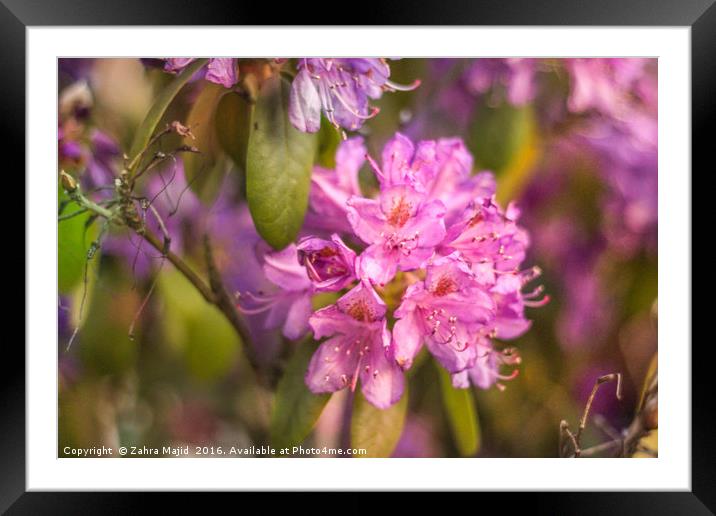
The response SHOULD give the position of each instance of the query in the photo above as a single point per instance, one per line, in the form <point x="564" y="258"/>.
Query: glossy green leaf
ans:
<point x="375" y="430"/>
<point x="160" y="105"/>
<point x="278" y="167"/>
<point x="205" y="170"/>
<point x="233" y="123"/>
<point x="296" y="409"/>
<point x="459" y="407"/>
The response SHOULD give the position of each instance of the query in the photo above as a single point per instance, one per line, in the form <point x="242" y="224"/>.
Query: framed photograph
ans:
<point x="447" y="256"/>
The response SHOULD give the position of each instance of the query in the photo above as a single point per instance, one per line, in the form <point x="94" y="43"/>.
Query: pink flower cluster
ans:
<point x="433" y="244"/>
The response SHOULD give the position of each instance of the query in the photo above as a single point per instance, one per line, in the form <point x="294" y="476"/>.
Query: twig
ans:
<point x="628" y="443"/>
<point x="224" y="302"/>
<point x="575" y="438"/>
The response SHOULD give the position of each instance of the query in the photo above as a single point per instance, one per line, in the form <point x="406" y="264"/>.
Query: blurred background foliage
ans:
<point x="180" y="376"/>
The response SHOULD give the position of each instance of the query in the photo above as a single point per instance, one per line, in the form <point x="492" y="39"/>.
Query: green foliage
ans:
<point x="208" y="343"/>
<point x="73" y="243"/>
<point x="498" y="134"/>
<point x="104" y="345"/>
<point x="205" y="170"/>
<point x="459" y="407"/>
<point x="328" y="140"/>
<point x="233" y="122"/>
<point x="378" y="431"/>
<point x="296" y="409"/>
<point x="161" y="103"/>
<point x="278" y="171"/>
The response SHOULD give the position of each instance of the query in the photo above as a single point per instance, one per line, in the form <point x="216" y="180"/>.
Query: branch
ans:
<point x="645" y="420"/>
<point x="214" y="293"/>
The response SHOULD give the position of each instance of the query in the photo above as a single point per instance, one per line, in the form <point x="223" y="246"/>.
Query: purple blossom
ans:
<point x="330" y="264"/>
<point x="290" y="307"/>
<point x="515" y="75"/>
<point x="220" y="70"/>
<point x="604" y="85"/>
<point x="358" y="347"/>
<point x="341" y="88"/>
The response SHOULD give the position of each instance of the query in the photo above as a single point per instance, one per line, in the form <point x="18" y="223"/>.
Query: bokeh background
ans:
<point x="573" y="142"/>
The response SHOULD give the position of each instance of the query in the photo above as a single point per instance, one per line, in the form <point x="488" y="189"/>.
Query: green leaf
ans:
<point x="200" y="333"/>
<point x="328" y="141"/>
<point x="278" y="167"/>
<point x="462" y="418"/>
<point x="296" y="409"/>
<point x="377" y="431"/>
<point x="205" y="170"/>
<point x="498" y="134"/>
<point x="233" y="123"/>
<point x="73" y="242"/>
<point x="160" y="105"/>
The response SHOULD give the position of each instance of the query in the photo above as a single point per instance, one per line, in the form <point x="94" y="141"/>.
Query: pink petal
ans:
<point x="331" y="367"/>
<point x="366" y="218"/>
<point x="378" y="264"/>
<point x="297" y="319"/>
<point x="397" y="154"/>
<point x="382" y="381"/>
<point x="407" y="340"/>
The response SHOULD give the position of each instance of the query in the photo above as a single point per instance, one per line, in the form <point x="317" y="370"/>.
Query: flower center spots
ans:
<point x="399" y="213"/>
<point x="445" y="286"/>
<point x="360" y="311"/>
<point x="476" y="219"/>
<point x="327" y="252"/>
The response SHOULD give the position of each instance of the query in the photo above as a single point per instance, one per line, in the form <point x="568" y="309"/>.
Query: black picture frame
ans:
<point x="17" y="15"/>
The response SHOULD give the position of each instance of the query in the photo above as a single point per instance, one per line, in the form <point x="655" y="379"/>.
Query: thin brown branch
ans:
<point x="182" y="267"/>
<point x="225" y="303"/>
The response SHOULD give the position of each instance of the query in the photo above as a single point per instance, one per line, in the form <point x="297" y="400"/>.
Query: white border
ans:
<point x="670" y="471"/>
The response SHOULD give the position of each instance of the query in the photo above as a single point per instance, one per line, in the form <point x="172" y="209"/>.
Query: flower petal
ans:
<point x="407" y="340"/>
<point x="332" y="365"/>
<point x="296" y="324"/>
<point x="366" y="218"/>
<point x="304" y="107"/>
<point x="382" y="381"/>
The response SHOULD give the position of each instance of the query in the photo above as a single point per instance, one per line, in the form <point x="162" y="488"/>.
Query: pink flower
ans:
<point x="330" y="189"/>
<point x="448" y="312"/>
<point x="441" y="169"/>
<point x="402" y="228"/>
<point x="290" y="307"/>
<point x="358" y="347"/>
<point x="219" y="70"/>
<point x="486" y="235"/>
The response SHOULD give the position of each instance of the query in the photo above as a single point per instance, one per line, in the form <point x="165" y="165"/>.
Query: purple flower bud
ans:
<point x="330" y="264"/>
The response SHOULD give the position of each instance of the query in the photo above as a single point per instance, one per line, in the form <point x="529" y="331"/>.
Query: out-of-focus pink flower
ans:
<point x="289" y="308"/>
<point x="515" y="75"/>
<point x="219" y="70"/>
